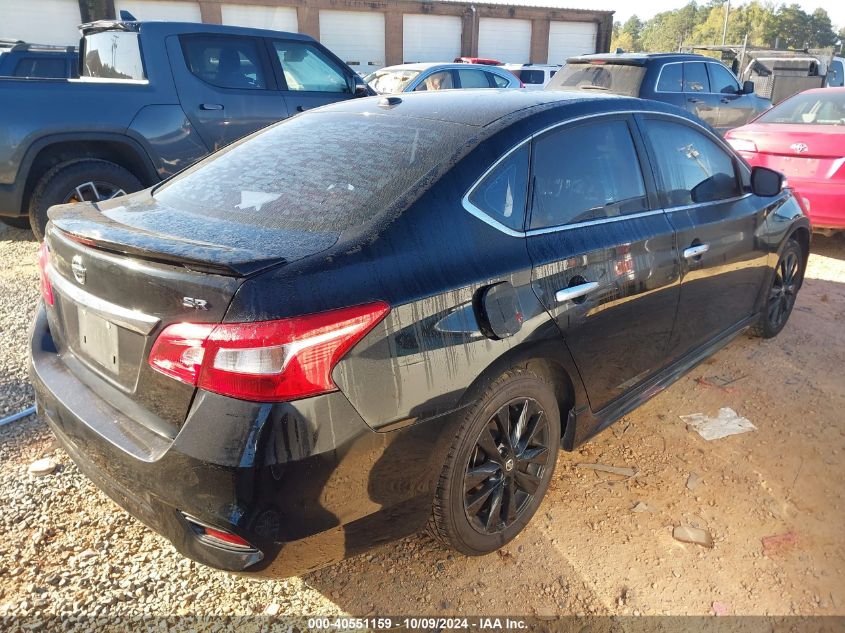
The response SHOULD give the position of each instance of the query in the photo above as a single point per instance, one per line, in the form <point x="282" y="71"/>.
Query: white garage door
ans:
<point x="354" y="36"/>
<point x="509" y="41"/>
<point x="431" y="38"/>
<point x="257" y="17"/>
<point x="567" y="39"/>
<point x="160" y="10"/>
<point x="42" y="22"/>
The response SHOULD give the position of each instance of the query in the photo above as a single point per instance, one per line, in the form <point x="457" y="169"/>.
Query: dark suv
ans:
<point x="307" y="344"/>
<point x="699" y="84"/>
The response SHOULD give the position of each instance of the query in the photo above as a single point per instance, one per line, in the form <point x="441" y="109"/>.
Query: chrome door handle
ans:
<point x="573" y="292"/>
<point x="211" y="106"/>
<point x="696" y="251"/>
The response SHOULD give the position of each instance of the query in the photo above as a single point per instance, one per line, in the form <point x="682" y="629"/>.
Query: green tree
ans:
<point x="821" y="29"/>
<point x="794" y="27"/>
<point x="670" y="29"/>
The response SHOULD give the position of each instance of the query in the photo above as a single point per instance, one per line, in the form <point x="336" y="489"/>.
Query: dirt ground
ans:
<point x="586" y="551"/>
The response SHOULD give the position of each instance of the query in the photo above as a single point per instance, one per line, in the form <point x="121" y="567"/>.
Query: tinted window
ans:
<point x="721" y="80"/>
<point x="313" y="173"/>
<point x="835" y="77"/>
<point x="437" y="81"/>
<point x="531" y="76"/>
<point x="692" y="168"/>
<point x="695" y="77"/>
<point x="306" y="67"/>
<point x="473" y="79"/>
<point x="41" y="67"/>
<point x="501" y="194"/>
<point x="113" y="55"/>
<point x="671" y="78"/>
<point x="498" y="80"/>
<point x="585" y="173"/>
<point x="809" y="108"/>
<point x="225" y="62"/>
<point x="621" y="79"/>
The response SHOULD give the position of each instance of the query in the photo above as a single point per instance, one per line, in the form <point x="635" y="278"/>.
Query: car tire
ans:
<point x="462" y="517"/>
<point x="61" y="184"/>
<point x="781" y="291"/>
<point x="20" y="222"/>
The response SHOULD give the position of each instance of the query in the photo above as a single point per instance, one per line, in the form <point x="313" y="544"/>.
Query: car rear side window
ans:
<point x="587" y="172"/>
<point x="671" y="78"/>
<point x="225" y="62"/>
<point x="113" y="55"/>
<point x="692" y="168"/>
<point x="498" y="80"/>
<point x="307" y="68"/>
<point x="44" y="67"/>
<point x="502" y="193"/>
<point x="695" y="77"/>
<point x="473" y="79"/>
<point x="313" y="173"/>
<point x="721" y="80"/>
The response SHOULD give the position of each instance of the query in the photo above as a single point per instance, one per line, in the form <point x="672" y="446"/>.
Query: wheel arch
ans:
<point x="801" y="234"/>
<point x="557" y="368"/>
<point x="54" y="150"/>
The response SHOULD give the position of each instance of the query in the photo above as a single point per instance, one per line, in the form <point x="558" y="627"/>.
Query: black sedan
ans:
<point x="391" y="313"/>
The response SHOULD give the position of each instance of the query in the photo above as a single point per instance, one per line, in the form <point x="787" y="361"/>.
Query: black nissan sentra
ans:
<point x="391" y="313"/>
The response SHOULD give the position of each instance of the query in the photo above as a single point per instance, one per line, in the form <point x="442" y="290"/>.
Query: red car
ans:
<point x="477" y="60"/>
<point x="804" y="138"/>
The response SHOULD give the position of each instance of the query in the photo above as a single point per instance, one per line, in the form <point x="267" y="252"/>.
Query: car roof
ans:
<point x="162" y="29"/>
<point x="641" y="58"/>
<point x="484" y="106"/>
<point x="422" y="66"/>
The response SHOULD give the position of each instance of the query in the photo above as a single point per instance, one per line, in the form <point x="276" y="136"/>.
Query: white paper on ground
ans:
<point x="728" y="422"/>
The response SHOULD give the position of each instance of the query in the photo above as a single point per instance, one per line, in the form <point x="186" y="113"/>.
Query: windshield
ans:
<point x="620" y="79"/>
<point x="388" y="81"/>
<point x="321" y="172"/>
<point x="814" y="108"/>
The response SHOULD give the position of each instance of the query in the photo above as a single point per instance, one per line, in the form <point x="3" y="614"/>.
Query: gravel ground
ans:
<point x="70" y="550"/>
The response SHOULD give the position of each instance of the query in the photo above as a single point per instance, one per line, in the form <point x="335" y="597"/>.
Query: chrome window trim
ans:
<point x="682" y="91"/>
<point x="491" y="221"/>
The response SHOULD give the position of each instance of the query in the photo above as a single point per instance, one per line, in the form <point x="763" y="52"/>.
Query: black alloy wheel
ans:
<point x="506" y="466"/>
<point x="782" y="292"/>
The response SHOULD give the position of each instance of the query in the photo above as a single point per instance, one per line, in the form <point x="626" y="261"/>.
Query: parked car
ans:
<point x="20" y="59"/>
<point x="434" y="76"/>
<point x="484" y="61"/>
<point x="701" y="85"/>
<point x="153" y="98"/>
<point x="533" y="76"/>
<point x="835" y="77"/>
<point x="306" y="345"/>
<point x="804" y="138"/>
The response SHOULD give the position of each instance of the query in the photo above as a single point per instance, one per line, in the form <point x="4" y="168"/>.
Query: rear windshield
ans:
<point x="530" y="76"/>
<point x="814" y="108"/>
<point x="620" y="79"/>
<point x="320" y="172"/>
<point x="113" y="55"/>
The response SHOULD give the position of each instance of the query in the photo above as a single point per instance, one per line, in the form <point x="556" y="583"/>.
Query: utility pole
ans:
<point x="725" y="29"/>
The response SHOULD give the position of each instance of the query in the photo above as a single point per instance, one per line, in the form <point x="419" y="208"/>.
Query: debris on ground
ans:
<point x="272" y="609"/>
<point x="42" y="467"/>
<point x="777" y="543"/>
<point x="613" y="470"/>
<point x="642" y="507"/>
<point x="728" y="422"/>
<point x="697" y="536"/>
<point x="718" y="382"/>
<point x="694" y="481"/>
<point x="720" y="608"/>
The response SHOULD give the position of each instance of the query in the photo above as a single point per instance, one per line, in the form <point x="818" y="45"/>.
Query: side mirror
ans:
<point x="766" y="182"/>
<point x="361" y="90"/>
<point x="748" y="87"/>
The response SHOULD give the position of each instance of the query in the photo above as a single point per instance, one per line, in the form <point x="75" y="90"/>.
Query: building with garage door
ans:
<point x="367" y="34"/>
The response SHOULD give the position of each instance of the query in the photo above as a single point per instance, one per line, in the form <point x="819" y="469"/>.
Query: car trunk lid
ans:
<point x="798" y="151"/>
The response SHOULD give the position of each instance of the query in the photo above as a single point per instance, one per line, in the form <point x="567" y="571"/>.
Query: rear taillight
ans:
<point x="265" y="361"/>
<point x="46" y="286"/>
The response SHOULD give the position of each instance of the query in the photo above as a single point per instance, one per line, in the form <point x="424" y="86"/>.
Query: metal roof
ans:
<point x="531" y="4"/>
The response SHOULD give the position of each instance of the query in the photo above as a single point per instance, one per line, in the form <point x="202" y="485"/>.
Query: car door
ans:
<point x="605" y="265"/>
<point x="735" y="107"/>
<point x="474" y="78"/>
<point x="308" y="76"/>
<point x="702" y="187"/>
<point x="697" y="96"/>
<point x="225" y="85"/>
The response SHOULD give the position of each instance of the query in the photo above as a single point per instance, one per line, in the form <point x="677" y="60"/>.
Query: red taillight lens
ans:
<point x="264" y="361"/>
<point x="46" y="286"/>
<point x="227" y="537"/>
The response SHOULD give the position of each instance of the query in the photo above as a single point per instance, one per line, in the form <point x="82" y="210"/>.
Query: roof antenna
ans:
<point x="125" y="16"/>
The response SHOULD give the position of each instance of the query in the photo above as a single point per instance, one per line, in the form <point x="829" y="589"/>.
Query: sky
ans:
<point x="647" y="8"/>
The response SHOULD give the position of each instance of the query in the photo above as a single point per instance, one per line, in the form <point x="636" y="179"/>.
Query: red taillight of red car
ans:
<point x="46" y="286"/>
<point x="265" y="361"/>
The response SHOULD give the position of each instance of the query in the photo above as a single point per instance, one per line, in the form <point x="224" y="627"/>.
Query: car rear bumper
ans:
<point x="305" y="483"/>
<point x="824" y="202"/>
